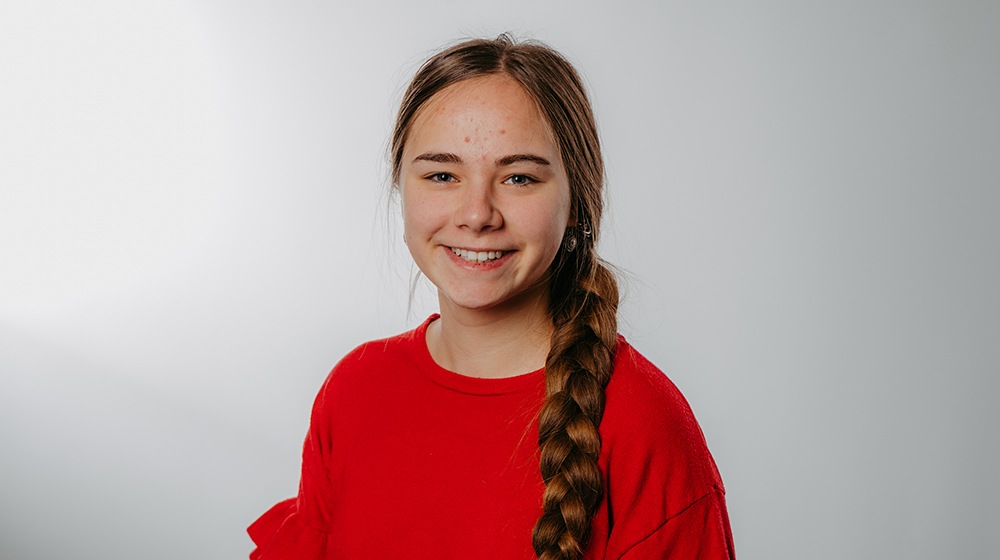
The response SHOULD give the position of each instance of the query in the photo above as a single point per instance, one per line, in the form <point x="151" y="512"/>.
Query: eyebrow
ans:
<point x="504" y="161"/>
<point x="439" y="158"/>
<point x="508" y="160"/>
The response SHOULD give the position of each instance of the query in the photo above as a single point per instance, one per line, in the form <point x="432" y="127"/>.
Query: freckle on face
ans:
<point x="467" y="139"/>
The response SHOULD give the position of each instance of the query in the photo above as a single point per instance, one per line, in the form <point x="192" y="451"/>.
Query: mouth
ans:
<point x="477" y="256"/>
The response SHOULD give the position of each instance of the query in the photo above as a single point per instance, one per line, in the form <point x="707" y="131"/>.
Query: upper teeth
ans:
<point x="481" y="256"/>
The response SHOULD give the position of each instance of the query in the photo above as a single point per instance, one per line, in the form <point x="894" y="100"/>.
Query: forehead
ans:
<point x="490" y="105"/>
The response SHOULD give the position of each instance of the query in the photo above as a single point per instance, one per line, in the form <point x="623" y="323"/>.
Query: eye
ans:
<point x="519" y="180"/>
<point x="441" y="177"/>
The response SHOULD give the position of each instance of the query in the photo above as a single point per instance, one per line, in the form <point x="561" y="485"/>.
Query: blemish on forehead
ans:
<point x="502" y="131"/>
<point x="467" y="139"/>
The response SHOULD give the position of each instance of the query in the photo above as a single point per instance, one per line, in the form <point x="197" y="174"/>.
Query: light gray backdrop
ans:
<point x="193" y="230"/>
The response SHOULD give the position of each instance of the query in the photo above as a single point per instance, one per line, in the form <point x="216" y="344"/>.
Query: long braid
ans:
<point x="577" y="370"/>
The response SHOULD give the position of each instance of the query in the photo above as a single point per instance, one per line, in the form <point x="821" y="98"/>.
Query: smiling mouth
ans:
<point x="477" y="256"/>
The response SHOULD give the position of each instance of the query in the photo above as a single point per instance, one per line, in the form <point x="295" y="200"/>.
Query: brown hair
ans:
<point x="583" y="301"/>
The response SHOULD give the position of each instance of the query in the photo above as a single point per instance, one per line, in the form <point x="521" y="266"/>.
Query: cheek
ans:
<point x="556" y="235"/>
<point x="547" y="230"/>
<point x="420" y="215"/>
<point x="408" y="206"/>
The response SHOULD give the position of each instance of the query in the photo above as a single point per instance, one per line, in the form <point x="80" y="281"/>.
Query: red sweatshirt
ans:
<point x="405" y="459"/>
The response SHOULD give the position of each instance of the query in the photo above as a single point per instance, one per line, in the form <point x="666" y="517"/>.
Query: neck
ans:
<point x="501" y="341"/>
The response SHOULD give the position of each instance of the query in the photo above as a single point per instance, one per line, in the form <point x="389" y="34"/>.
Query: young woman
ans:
<point x="517" y="423"/>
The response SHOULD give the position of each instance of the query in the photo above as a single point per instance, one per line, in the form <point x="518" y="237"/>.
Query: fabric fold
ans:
<point x="281" y="534"/>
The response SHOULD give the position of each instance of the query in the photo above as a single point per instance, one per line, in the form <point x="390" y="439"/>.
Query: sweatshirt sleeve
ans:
<point x="665" y="494"/>
<point x="299" y="528"/>
<point x="700" y="532"/>
<point x="281" y="534"/>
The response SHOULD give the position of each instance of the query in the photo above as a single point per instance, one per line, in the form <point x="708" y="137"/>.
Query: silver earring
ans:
<point x="570" y="240"/>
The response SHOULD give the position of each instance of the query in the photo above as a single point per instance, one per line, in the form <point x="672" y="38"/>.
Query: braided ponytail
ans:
<point x="577" y="370"/>
<point x="583" y="292"/>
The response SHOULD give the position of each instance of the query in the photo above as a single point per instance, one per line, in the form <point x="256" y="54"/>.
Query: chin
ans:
<point x="474" y="303"/>
<point x="473" y="300"/>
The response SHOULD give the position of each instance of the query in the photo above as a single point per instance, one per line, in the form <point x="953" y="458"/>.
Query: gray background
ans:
<point x="193" y="230"/>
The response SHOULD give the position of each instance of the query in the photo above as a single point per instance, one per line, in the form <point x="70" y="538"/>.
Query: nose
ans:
<point x="477" y="209"/>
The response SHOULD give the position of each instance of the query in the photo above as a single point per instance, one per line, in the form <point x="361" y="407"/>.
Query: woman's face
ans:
<point x="485" y="196"/>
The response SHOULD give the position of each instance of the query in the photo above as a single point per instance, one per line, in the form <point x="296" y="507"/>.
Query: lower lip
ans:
<point x="479" y="266"/>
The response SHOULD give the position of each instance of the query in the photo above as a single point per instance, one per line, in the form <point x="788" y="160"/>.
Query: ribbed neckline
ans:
<point x="463" y="383"/>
